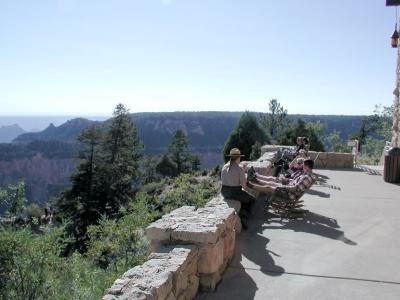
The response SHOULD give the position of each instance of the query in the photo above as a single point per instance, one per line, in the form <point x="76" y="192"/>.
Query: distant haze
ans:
<point x="38" y="123"/>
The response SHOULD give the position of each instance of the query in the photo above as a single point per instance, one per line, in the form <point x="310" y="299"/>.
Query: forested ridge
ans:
<point x="205" y="130"/>
<point x="51" y="152"/>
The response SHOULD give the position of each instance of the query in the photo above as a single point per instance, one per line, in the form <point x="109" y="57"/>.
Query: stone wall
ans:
<point x="190" y="249"/>
<point x="263" y="165"/>
<point x="322" y="160"/>
<point x="332" y="160"/>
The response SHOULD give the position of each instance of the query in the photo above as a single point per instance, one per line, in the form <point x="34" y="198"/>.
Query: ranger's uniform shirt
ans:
<point x="233" y="176"/>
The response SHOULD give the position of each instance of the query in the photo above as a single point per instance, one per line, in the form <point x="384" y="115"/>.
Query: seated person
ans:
<point x="272" y="180"/>
<point x="301" y="155"/>
<point x="302" y="143"/>
<point x="293" y="189"/>
<point x="233" y="181"/>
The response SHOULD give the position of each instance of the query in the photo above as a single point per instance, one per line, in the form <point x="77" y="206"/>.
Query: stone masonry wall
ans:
<point x="190" y="249"/>
<point x="322" y="160"/>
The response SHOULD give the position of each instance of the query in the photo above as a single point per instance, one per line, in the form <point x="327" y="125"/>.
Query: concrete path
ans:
<point x="346" y="247"/>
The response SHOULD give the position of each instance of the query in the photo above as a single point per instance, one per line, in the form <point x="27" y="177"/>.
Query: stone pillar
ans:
<point x="395" y="126"/>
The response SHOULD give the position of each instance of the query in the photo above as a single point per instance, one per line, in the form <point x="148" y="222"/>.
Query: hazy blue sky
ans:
<point x="81" y="57"/>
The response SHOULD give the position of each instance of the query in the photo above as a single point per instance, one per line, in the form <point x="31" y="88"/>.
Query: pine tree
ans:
<point x="255" y="151"/>
<point x="195" y="162"/>
<point x="105" y="177"/>
<point x="80" y="203"/>
<point x="246" y="133"/>
<point x="167" y="167"/>
<point x="290" y="135"/>
<point x="121" y="152"/>
<point x="276" y="120"/>
<point x="179" y="153"/>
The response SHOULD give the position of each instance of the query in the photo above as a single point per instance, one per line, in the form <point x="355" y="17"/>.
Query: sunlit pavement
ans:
<point x="346" y="247"/>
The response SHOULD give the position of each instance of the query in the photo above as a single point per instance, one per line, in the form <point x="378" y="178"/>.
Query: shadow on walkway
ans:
<point x="311" y="223"/>
<point x="253" y="246"/>
<point x="318" y="193"/>
<point x="320" y="177"/>
<point x="368" y="170"/>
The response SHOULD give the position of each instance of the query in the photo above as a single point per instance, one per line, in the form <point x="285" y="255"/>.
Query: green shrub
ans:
<point x="153" y="188"/>
<point x="30" y="264"/>
<point x="117" y="245"/>
<point x="186" y="192"/>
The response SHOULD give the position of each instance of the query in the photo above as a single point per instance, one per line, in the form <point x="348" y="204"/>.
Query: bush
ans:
<point x="153" y="188"/>
<point x="117" y="245"/>
<point x="185" y="192"/>
<point x="31" y="265"/>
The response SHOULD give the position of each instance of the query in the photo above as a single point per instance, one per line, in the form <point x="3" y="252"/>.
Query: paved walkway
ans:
<point x="347" y="246"/>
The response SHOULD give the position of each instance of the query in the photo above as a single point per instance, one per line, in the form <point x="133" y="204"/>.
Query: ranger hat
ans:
<point x="235" y="152"/>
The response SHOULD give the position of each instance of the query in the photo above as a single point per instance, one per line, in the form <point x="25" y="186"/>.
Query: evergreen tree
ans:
<point x="276" y="120"/>
<point x="121" y="152"/>
<point x="246" y="133"/>
<point x="104" y="179"/>
<point x="255" y="151"/>
<point x="167" y="167"/>
<point x="370" y="126"/>
<point x="81" y="203"/>
<point x="290" y="135"/>
<point x="148" y="169"/>
<point x="179" y="153"/>
<point x="195" y="162"/>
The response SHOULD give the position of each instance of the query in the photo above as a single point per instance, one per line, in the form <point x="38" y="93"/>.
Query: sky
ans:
<point x="72" y="57"/>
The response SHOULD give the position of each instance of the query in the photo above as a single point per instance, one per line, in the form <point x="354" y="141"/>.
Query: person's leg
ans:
<point x="267" y="188"/>
<point x="265" y="178"/>
<point x="266" y="183"/>
<point x="247" y="202"/>
<point x="226" y="192"/>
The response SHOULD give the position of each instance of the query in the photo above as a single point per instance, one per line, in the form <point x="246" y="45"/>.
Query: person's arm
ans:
<point x="242" y="178"/>
<point x="244" y="165"/>
<point x="265" y="178"/>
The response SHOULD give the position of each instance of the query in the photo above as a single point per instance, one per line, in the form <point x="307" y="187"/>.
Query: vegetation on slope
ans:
<point x="101" y="217"/>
